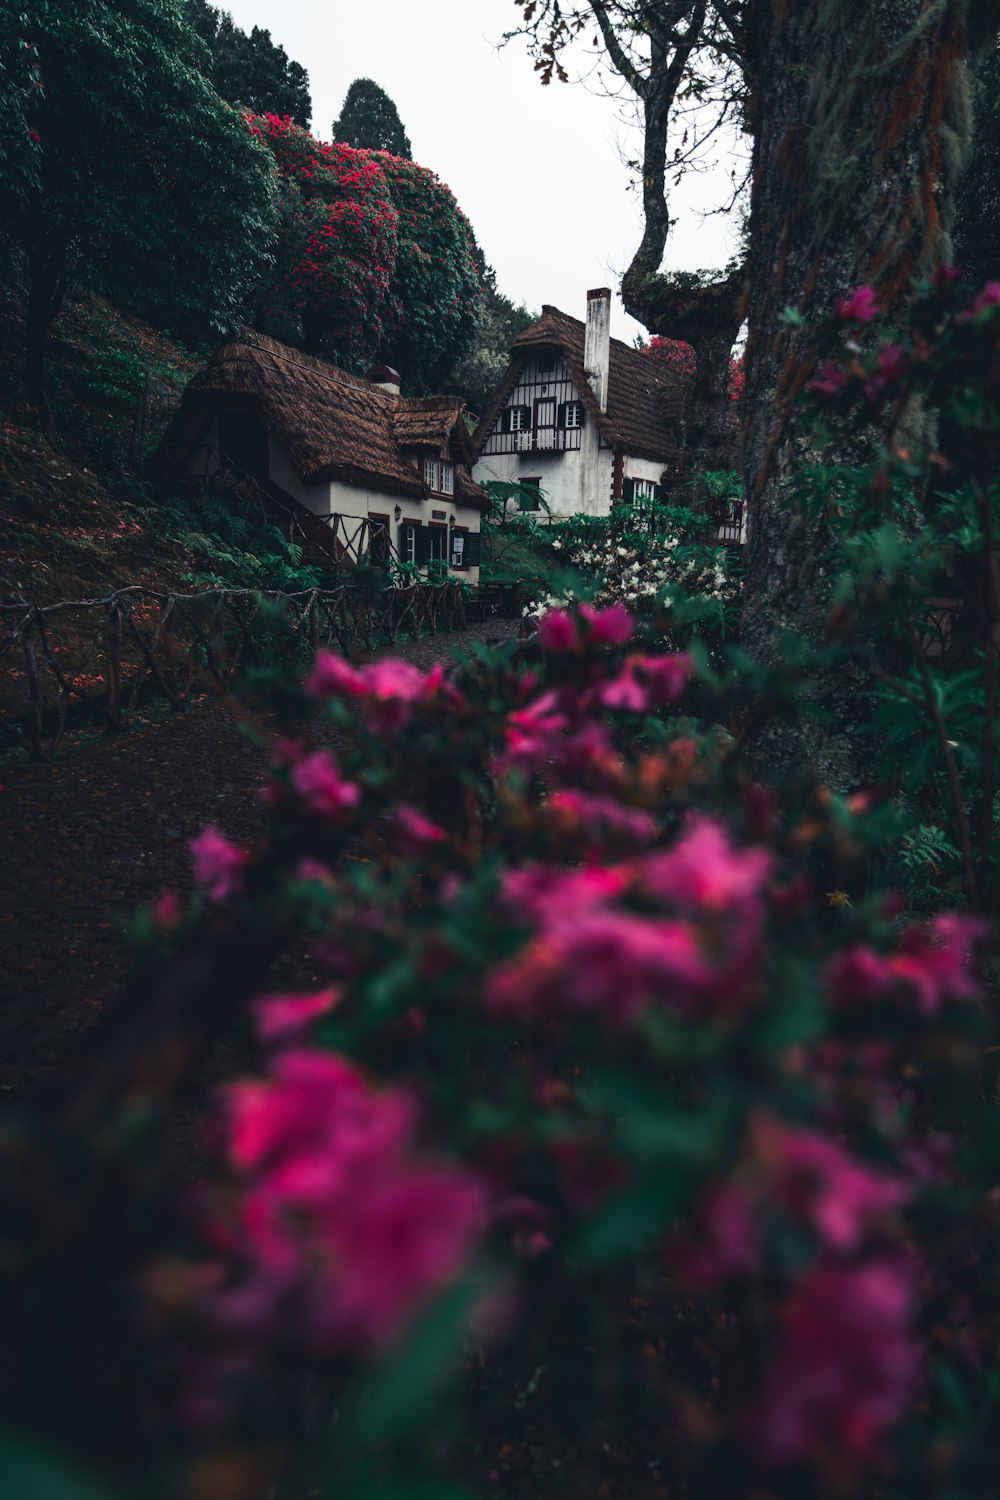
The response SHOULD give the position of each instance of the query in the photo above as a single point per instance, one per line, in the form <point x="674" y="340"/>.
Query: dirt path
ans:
<point x="103" y="830"/>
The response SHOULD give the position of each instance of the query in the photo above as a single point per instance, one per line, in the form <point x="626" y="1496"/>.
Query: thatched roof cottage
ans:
<point x="582" y="416"/>
<point x="361" y="468"/>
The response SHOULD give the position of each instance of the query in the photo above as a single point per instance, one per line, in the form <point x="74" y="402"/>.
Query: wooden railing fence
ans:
<point x="99" y="659"/>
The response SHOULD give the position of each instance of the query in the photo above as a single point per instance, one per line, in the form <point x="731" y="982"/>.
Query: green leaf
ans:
<point x="400" y="1396"/>
<point x="30" y="1472"/>
<point x="630" y="1220"/>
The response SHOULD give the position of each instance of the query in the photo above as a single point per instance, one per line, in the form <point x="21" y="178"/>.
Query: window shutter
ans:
<point x="561" y="414"/>
<point x="581" y="414"/>
<point x="505" y="419"/>
<point x="628" y="489"/>
<point x="525" y="418"/>
<point x="657" y="491"/>
<point x="471" y="555"/>
<point x="423" y="544"/>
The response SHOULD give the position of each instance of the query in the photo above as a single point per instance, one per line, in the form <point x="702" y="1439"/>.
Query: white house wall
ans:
<point x="577" y="479"/>
<point x="569" y="487"/>
<point x="353" y="502"/>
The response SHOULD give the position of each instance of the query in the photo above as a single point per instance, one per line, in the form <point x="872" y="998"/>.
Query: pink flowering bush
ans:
<point x="589" y="1032"/>
<point x="581" y="1085"/>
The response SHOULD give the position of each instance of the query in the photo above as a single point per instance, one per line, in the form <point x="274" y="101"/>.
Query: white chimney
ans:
<point x="597" y="344"/>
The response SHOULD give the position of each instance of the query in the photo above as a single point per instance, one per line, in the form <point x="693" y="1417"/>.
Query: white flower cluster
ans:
<point x="635" y="575"/>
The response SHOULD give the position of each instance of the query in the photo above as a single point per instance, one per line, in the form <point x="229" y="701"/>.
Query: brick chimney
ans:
<point x="597" y="344"/>
<point x="385" y="377"/>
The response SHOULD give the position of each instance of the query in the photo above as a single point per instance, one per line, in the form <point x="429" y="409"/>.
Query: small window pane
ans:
<point x="447" y="484"/>
<point x="430" y="472"/>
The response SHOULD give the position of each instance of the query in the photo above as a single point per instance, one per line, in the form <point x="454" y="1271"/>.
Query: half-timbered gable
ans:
<point x="583" y="416"/>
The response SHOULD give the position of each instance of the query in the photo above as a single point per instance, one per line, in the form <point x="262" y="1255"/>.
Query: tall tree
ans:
<point x="669" y="55"/>
<point x="250" y="70"/>
<point x="375" y="259"/>
<point x="369" y="120"/>
<point x="977" y="209"/>
<point x="860" y="117"/>
<point x="146" y="185"/>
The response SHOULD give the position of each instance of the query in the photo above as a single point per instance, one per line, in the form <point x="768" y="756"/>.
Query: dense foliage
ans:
<point x="184" y="223"/>
<point x="250" y="70"/>
<point x="680" y="359"/>
<point x="374" y="260"/>
<point x="497" y="324"/>
<point x="615" y="1067"/>
<point x="370" y="121"/>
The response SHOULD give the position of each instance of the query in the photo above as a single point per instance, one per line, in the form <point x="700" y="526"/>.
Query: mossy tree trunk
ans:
<point x="860" y="118"/>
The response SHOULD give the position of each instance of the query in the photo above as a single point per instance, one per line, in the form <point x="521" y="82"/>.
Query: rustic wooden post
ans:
<point x="113" y="657"/>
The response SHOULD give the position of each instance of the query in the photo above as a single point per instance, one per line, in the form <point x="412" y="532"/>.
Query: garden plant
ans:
<point x="619" y="1124"/>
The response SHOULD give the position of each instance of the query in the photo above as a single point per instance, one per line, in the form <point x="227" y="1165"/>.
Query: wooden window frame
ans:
<point x="383" y="524"/>
<point x="403" y="525"/>
<point x="439" y="528"/>
<point x="439" y="467"/>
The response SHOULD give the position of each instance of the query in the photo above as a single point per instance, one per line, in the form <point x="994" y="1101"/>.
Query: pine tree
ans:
<point x="370" y="121"/>
<point x="250" y="70"/>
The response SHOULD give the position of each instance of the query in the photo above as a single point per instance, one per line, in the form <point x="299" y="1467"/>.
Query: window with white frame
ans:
<point x="571" y="414"/>
<point x="408" y="542"/>
<point x="644" y="489"/>
<point x="515" y="419"/>
<point x="439" y="476"/>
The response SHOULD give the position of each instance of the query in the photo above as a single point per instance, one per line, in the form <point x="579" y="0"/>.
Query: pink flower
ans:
<point x="890" y="365"/>
<point x="394" y="679"/>
<point x="608" y="627"/>
<point x="706" y="872"/>
<point x="725" y="1241"/>
<point x="340" y="1228"/>
<point x="829" y="382"/>
<point x="333" y="677"/>
<point x="935" y="961"/>
<point x="988" y="297"/>
<point x="602" y="817"/>
<point x="818" y="1181"/>
<point x="546" y="894"/>
<point x="167" y="911"/>
<point x="557" y="631"/>
<point x="646" y="683"/>
<point x="418" y="833"/>
<point x="847" y="1367"/>
<point x="316" y="777"/>
<point x="218" y="864"/>
<point x="279" y="1017"/>
<point x="613" y="962"/>
<point x="859" y="307"/>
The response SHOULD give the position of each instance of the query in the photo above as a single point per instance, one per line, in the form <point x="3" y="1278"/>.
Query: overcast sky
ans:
<point x="538" y="171"/>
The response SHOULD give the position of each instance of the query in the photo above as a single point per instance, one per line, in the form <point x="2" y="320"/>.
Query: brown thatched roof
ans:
<point x="645" y="400"/>
<point x="331" y="424"/>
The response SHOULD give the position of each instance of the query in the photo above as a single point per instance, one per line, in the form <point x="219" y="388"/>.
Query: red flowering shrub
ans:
<point x="336" y="250"/>
<point x="674" y="353"/>
<point x="375" y="258"/>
